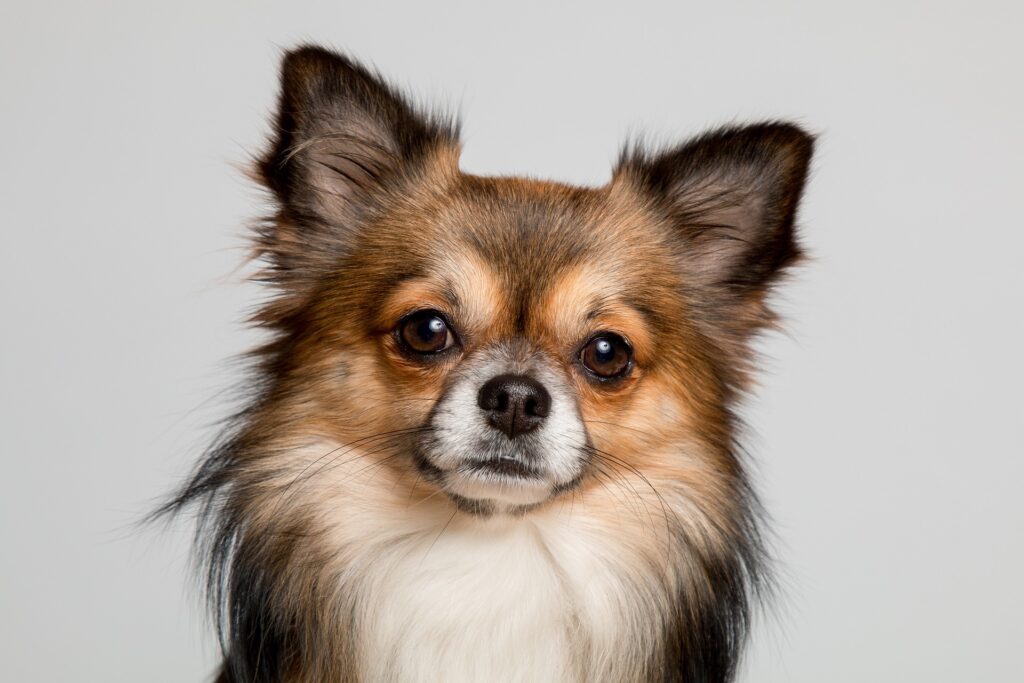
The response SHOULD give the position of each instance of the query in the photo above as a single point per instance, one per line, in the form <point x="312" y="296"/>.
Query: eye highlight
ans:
<point x="425" y="333"/>
<point x="607" y="356"/>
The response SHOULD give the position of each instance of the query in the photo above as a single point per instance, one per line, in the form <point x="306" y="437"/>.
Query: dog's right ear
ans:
<point x="344" y="139"/>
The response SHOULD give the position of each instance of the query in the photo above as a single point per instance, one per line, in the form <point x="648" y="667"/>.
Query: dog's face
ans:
<point x="515" y="337"/>
<point x="524" y="327"/>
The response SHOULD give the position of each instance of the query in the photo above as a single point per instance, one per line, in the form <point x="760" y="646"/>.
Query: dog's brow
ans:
<point x="450" y="295"/>
<point x="603" y="305"/>
<point x="444" y="289"/>
<point x="607" y="306"/>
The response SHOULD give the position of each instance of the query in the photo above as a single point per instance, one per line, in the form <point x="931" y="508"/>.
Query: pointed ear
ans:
<point x="732" y="195"/>
<point x="343" y="141"/>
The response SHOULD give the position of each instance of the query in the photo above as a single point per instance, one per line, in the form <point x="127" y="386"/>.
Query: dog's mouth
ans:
<point x="484" y="471"/>
<point x="502" y="467"/>
<point x="498" y="481"/>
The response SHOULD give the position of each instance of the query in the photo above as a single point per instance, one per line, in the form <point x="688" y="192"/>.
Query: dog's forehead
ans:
<point x="527" y="224"/>
<point x="527" y="235"/>
<point x="513" y="253"/>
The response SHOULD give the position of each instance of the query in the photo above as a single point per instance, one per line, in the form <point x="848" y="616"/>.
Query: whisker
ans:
<point x="289" y="490"/>
<point x="636" y="494"/>
<point x="423" y="500"/>
<point x="618" y="498"/>
<point x="618" y="426"/>
<point x="419" y="474"/>
<point x="438" y="537"/>
<point x="336" y="461"/>
<point x="665" y="507"/>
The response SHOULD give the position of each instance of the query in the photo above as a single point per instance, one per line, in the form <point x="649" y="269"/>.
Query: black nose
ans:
<point x="515" y="404"/>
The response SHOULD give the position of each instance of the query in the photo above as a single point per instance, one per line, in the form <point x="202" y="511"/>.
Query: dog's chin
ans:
<point x="502" y="483"/>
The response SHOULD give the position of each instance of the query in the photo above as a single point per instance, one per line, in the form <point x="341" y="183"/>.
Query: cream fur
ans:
<point x="561" y="594"/>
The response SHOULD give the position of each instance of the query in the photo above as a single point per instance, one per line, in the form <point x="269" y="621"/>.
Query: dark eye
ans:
<point x="425" y="332"/>
<point x="607" y="356"/>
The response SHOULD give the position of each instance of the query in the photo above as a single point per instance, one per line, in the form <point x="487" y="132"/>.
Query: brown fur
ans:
<point x="375" y="220"/>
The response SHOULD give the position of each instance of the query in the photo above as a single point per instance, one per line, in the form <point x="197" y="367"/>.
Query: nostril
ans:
<point x="530" y="407"/>
<point x="501" y="402"/>
<point x="539" y="406"/>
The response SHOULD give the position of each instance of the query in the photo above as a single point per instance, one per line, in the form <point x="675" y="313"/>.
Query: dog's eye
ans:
<point x="425" y="332"/>
<point x="607" y="356"/>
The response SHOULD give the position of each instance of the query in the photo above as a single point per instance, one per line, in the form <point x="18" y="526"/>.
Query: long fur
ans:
<point x="331" y="547"/>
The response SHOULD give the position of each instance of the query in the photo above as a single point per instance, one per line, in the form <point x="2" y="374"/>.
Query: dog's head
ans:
<point x="500" y="347"/>
<point x="514" y="337"/>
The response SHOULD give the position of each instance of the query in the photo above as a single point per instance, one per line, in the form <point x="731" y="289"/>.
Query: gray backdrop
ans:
<point x="888" y="428"/>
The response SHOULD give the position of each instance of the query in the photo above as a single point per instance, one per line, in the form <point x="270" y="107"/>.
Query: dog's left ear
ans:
<point x="731" y="199"/>
<point x="732" y="195"/>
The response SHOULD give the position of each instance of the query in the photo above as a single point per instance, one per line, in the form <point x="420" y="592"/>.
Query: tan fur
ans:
<point x="343" y="549"/>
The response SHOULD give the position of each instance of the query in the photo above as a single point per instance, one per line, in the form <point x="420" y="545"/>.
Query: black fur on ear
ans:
<point x="731" y="196"/>
<point x="343" y="140"/>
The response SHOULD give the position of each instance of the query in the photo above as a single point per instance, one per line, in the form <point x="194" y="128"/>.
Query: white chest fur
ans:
<point x="469" y="606"/>
<point x="573" y="592"/>
<point x="502" y="600"/>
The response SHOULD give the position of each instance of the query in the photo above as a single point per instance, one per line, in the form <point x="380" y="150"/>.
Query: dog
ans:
<point x="490" y="435"/>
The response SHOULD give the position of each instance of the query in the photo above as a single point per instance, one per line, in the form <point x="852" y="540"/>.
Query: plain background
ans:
<point x="888" y="428"/>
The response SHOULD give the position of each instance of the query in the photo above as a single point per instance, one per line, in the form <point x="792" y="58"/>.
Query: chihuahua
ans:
<point x="490" y="435"/>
